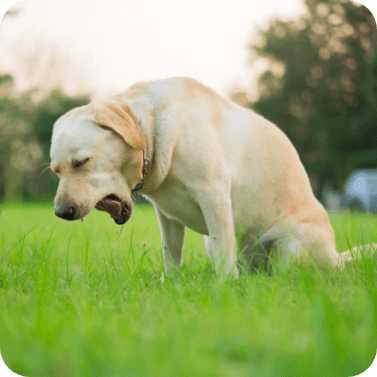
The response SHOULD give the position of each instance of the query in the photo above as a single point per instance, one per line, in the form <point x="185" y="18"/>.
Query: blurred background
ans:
<point x="309" y="66"/>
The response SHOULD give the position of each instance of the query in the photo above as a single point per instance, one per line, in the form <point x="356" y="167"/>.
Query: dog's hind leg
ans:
<point x="292" y="239"/>
<point x="305" y="241"/>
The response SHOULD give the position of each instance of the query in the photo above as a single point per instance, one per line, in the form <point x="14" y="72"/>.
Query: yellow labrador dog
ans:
<point x="215" y="167"/>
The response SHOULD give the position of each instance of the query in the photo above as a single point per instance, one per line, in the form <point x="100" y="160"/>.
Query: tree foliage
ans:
<point x="25" y="137"/>
<point x="320" y="88"/>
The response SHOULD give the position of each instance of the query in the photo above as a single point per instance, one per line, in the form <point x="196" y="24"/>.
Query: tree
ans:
<point x="25" y="138"/>
<point x="320" y="88"/>
<point x="19" y="149"/>
<point x="26" y="121"/>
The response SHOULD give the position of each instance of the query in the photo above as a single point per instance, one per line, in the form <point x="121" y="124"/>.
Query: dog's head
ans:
<point x="97" y="152"/>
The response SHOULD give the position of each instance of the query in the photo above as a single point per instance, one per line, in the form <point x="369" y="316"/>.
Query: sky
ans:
<point x="103" y="46"/>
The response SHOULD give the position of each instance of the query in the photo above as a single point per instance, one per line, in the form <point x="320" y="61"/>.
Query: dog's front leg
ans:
<point x="172" y="237"/>
<point x="220" y="242"/>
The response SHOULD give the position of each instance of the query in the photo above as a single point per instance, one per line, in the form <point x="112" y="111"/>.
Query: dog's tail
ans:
<point x="355" y="253"/>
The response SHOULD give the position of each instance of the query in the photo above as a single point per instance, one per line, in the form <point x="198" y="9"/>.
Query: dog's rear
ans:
<point x="272" y="199"/>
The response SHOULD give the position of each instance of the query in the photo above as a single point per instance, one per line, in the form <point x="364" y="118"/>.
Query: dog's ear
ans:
<point x="119" y="118"/>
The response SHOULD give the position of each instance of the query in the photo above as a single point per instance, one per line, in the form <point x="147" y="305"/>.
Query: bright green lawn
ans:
<point x="85" y="299"/>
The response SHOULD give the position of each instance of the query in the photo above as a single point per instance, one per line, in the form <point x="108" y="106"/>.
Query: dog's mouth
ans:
<point x="118" y="210"/>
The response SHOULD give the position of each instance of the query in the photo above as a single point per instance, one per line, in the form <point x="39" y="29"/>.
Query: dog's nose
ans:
<point x="65" y="211"/>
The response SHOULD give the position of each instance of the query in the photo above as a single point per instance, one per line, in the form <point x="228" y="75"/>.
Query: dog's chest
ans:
<point x="176" y="203"/>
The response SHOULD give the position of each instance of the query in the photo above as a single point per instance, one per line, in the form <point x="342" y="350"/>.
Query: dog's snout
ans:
<point x="66" y="212"/>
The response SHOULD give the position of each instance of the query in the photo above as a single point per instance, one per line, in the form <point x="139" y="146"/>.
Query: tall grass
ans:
<point x="86" y="299"/>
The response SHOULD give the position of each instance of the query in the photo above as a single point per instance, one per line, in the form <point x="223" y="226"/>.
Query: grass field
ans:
<point x="85" y="299"/>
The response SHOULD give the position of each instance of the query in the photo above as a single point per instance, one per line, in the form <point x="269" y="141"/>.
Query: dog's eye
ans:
<point x="77" y="164"/>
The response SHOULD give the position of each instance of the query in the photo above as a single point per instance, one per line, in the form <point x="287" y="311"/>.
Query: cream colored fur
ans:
<point x="216" y="168"/>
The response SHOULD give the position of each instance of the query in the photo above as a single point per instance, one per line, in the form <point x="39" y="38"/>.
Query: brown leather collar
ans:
<point x="144" y="171"/>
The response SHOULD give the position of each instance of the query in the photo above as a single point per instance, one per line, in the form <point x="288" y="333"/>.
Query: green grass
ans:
<point x="85" y="299"/>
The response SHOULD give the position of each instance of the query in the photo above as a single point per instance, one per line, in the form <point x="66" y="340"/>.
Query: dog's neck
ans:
<point x="158" y="168"/>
